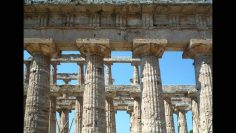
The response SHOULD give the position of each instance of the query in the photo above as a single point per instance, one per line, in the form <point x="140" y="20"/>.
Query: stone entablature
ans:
<point x="118" y="2"/>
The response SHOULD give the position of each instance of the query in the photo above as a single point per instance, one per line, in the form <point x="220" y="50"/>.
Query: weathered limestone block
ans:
<point x="182" y="123"/>
<point x="153" y="115"/>
<point x="78" y="114"/>
<point x="169" y="115"/>
<point x="94" y="115"/>
<point x="201" y="51"/>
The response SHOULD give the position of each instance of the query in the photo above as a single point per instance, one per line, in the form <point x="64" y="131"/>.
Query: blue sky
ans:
<point x="174" y="71"/>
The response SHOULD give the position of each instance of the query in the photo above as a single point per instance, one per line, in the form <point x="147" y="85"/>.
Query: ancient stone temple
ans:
<point x="95" y="28"/>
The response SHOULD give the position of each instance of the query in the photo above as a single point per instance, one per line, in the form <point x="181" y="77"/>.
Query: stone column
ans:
<point x="136" y="124"/>
<point x="110" y="116"/>
<point x="52" y="115"/>
<point x="195" y="115"/>
<point x="54" y="73"/>
<point x="201" y="52"/>
<point x="108" y="80"/>
<point x="153" y="115"/>
<point x="64" y="120"/>
<point x="27" y="72"/>
<point x="182" y="124"/>
<point x="136" y="74"/>
<point x="169" y="115"/>
<point x="94" y="115"/>
<point x="80" y="73"/>
<point x="37" y="103"/>
<point x="78" y="114"/>
<point x="130" y="112"/>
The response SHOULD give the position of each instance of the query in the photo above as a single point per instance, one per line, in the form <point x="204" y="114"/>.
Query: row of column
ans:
<point x="153" y="118"/>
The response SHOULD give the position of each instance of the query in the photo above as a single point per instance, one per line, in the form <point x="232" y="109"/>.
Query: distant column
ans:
<point x="182" y="124"/>
<point x="80" y="73"/>
<point x="136" y="74"/>
<point x="78" y="114"/>
<point x="52" y="115"/>
<point x="195" y="115"/>
<point x="108" y="80"/>
<point x="136" y="117"/>
<point x="64" y="120"/>
<point x="153" y="115"/>
<point x="27" y="72"/>
<point x="169" y="115"/>
<point x="201" y="51"/>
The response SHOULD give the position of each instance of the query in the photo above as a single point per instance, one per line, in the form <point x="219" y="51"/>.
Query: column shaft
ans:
<point x="110" y="116"/>
<point x="80" y="74"/>
<point x="37" y="104"/>
<point x="195" y="116"/>
<point x="54" y="72"/>
<point x="203" y="70"/>
<point x="52" y="115"/>
<point x="136" y="75"/>
<point x="27" y="72"/>
<point x="182" y="124"/>
<point x="78" y="114"/>
<point x="108" y="80"/>
<point x="169" y="116"/>
<point x="136" y="127"/>
<point x="153" y="117"/>
<point x="64" y="121"/>
<point x="94" y="96"/>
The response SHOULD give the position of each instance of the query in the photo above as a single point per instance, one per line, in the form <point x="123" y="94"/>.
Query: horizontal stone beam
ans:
<point x="116" y="2"/>
<point x="67" y="76"/>
<point x="76" y="58"/>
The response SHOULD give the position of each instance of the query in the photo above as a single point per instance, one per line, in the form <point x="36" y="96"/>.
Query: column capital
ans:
<point x="44" y="46"/>
<point x="54" y="63"/>
<point x="93" y="46"/>
<point x="151" y="47"/>
<point x="198" y="46"/>
<point x="135" y="63"/>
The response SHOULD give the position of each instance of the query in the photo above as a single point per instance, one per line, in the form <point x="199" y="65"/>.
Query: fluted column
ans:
<point x="80" y="73"/>
<point x="153" y="115"/>
<point x="36" y="118"/>
<point x="169" y="115"/>
<point x="195" y="115"/>
<point x="182" y="123"/>
<point x="94" y="115"/>
<point x="52" y="115"/>
<point x="27" y="72"/>
<point x="136" y="123"/>
<point x="136" y="74"/>
<point x="78" y="114"/>
<point x="110" y="115"/>
<point x="201" y="52"/>
<point x="108" y="80"/>
<point x="64" y="120"/>
<point x="54" y="73"/>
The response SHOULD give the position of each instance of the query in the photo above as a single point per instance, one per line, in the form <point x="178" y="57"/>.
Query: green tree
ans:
<point x="191" y="131"/>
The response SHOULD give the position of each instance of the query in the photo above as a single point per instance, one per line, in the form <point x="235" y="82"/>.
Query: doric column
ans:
<point x="54" y="73"/>
<point x="136" y="74"/>
<point x="182" y="124"/>
<point x="78" y="114"/>
<point x="110" y="116"/>
<point x="169" y="115"/>
<point x="201" y="52"/>
<point x="136" y="123"/>
<point x="27" y="72"/>
<point x="195" y="115"/>
<point x="80" y="73"/>
<point x="52" y="115"/>
<point x="94" y="115"/>
<point x="108" y="80"/>
<point x="37" y="103"/>
<point x="131" y="113"/>
<point x="64" y="120"/>
<point x="153" y="115"/>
